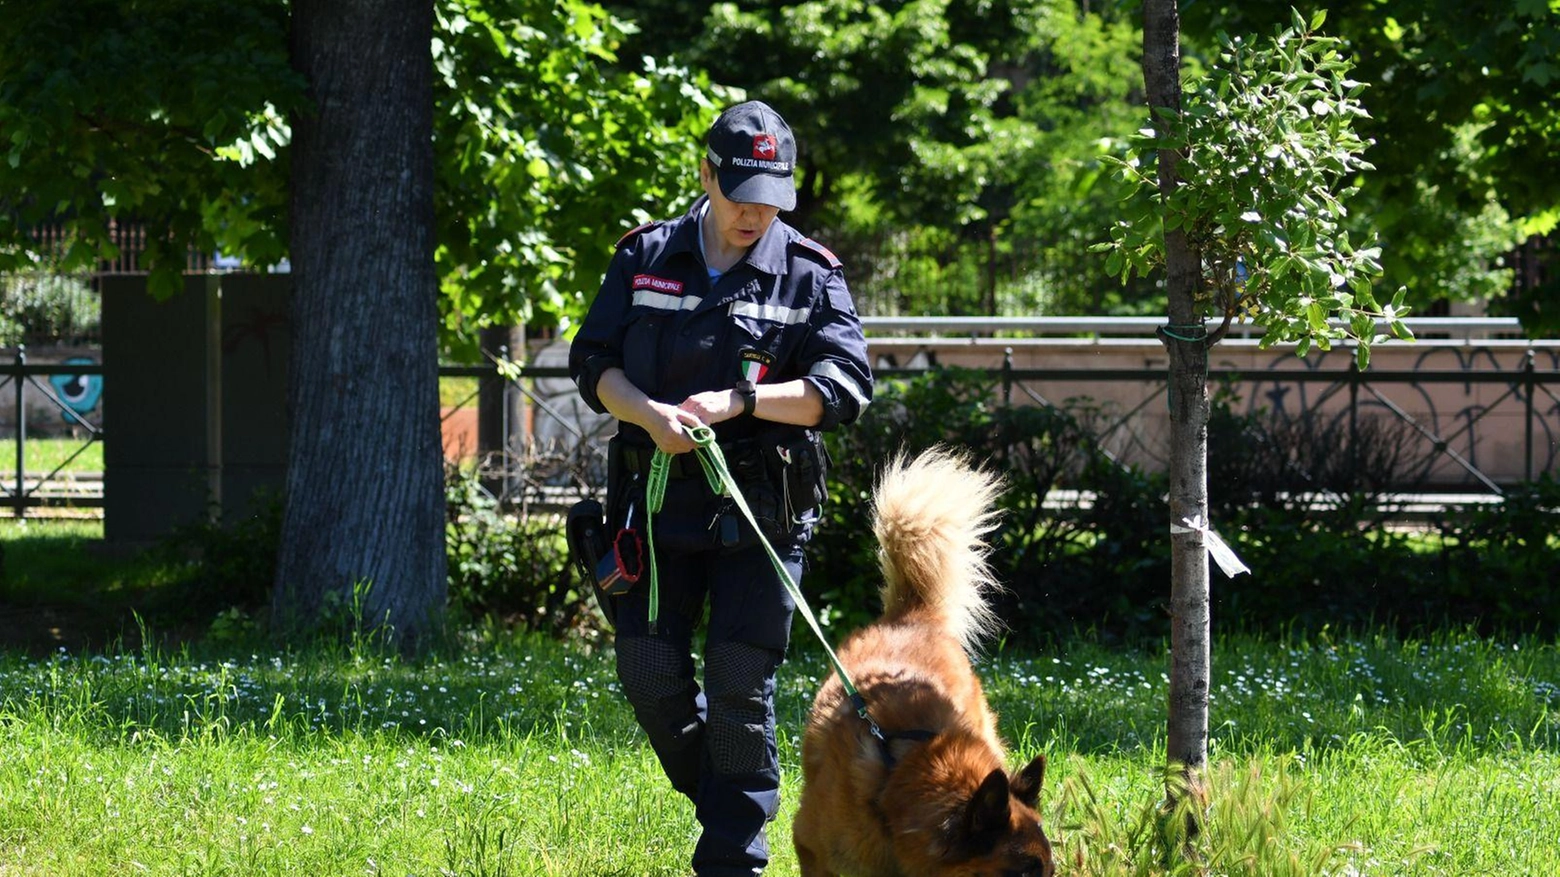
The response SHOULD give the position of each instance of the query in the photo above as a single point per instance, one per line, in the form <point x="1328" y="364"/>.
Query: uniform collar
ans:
<point x="766" y="255"/>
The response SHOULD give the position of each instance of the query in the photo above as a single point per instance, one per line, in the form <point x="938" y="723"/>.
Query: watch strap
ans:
<point x="749" y="394"/>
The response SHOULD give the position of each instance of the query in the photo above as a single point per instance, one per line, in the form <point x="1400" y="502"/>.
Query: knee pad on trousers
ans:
<point x="738" y="680"/>
<point x="657" y="678"/>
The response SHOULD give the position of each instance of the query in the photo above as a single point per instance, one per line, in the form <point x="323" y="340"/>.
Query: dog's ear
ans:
<point x="988" y="809"/>
<point x="1026" y="785"/>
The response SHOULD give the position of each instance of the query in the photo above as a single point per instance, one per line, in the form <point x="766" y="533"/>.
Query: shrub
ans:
<point x="52" y="307"/>
<point x="1497" y="561"/>
<point x="1060" y="565"/>
<point x="512" y="567"/>
<point x="1083" y="541"/>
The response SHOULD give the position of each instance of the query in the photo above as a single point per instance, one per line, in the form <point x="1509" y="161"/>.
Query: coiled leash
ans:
<point x="713" y="462"/>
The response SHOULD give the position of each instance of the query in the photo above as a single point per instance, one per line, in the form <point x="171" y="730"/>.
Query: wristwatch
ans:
<point x="749" y="394"/>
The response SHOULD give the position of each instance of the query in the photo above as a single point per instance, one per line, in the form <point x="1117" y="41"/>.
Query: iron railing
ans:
<point x="1534" y="389"/>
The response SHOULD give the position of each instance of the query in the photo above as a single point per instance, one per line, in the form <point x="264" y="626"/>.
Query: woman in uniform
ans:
<point x="729" y="318"/>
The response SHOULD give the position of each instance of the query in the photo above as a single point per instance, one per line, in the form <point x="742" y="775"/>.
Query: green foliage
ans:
<point x="894" y="92"/>
<point x="952" y="150"/>
<point x="547" y="152"/>
<point x="1462" y="112"/>
<point x="509" y="567"/>
<point x="1305" y="503"/>
<point x="948" y="149"/>
<point x="174" y="114"/>
<point x="170" y="112"/>
<point x="231" y="564"/>
<point x="1082" y="99"/>
<point x="1266" y="152"/>
<point x="53" y="307"/>
<point x="1499" y="559"/>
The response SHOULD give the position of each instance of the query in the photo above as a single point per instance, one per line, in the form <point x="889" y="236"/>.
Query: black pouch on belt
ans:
<point x="798" y="465"/>
<point x="585" y="530"/>
<point x="745" y="460"/>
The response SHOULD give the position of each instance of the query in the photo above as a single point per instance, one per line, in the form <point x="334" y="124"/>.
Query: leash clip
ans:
<point x="872" y="726"/>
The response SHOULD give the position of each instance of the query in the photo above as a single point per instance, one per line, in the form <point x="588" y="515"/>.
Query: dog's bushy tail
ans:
<point x="930" y="516"/>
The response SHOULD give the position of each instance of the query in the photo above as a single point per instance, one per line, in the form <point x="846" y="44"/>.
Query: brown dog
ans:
<point x="933" y="797"/>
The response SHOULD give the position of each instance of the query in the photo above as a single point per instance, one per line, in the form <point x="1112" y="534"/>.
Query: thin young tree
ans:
<point x="1237" y="194"/>
<point x="1186" y="341"/>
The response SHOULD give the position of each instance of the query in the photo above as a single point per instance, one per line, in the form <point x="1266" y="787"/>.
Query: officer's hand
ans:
<point x="713" y="406"/>
<point x="669" y="428"/>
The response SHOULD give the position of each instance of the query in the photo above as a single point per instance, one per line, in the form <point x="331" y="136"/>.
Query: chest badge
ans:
<point x="657" y="284"/>
<point x="754" y="364"/>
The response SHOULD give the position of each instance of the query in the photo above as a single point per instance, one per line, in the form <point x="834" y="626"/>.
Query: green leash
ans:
<point x="713" y="462"/>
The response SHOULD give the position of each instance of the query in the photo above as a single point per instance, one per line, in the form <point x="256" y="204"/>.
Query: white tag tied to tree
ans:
<point x="1217" y="548"/>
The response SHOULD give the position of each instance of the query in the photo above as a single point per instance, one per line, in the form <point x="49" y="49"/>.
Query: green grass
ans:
<point x="66" y="562"/>
<point x="42" y="455"/>
<point x="1340" y="754"/>
<point x="61" y="584"/>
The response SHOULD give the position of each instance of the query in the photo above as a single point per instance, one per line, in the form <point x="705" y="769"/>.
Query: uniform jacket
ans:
<point x="782" y="313"/>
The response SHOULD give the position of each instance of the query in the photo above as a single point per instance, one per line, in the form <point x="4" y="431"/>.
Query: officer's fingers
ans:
<point x="675" y="442"/>
<point x="697" y="405"/>
<point x="689" y="420"/>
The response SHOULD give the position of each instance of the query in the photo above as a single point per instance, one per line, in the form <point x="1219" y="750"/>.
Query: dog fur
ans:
<point x="919" y="807"/>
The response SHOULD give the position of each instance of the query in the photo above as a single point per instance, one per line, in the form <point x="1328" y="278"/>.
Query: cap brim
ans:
<point x="769" y="189"/>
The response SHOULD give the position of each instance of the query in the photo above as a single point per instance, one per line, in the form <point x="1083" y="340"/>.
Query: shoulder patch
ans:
<point x="828" y="256"/>
<point x="636" y="232"/>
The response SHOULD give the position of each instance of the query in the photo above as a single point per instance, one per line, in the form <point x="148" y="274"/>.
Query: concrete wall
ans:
<point x="197" y="423"/>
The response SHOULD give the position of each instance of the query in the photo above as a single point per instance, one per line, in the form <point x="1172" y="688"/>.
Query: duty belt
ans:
<point x="637" y="459"/>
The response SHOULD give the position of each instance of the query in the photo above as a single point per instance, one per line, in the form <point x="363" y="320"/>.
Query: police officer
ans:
<point x="730" y="318"/>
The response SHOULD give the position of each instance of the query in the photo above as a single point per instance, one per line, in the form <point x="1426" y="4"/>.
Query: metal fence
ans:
<point x="1502" y="427"/>
<point x="1480" y="413"/>
<point x="57" y="486"/>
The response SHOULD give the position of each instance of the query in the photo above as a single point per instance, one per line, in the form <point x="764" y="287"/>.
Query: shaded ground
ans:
<point x="40" y="629"/>
<point x="77" y="594"/>
<point x="37" y="630"/>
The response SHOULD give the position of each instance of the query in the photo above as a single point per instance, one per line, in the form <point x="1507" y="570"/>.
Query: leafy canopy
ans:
<point x="1463" y="122"/>
<point x="173" y="114"/>
<point x="1267" y="155"/>
<point x="170" y="111"/>
<point x="547" y="152"/>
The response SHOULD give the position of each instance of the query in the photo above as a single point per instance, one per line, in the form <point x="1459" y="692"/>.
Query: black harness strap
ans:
<point x="885" y="745"/>
<point x="885" y="740"/>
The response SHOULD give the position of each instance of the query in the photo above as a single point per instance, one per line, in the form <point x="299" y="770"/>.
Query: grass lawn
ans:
<point x="42" y="455"/>
<point x="1345" y="755"/>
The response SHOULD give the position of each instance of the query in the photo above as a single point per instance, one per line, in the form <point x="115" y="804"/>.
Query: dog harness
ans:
<point x="886" y="738"/>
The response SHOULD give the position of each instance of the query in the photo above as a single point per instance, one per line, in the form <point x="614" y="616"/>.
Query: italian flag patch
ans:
<point x="755" y="364"/>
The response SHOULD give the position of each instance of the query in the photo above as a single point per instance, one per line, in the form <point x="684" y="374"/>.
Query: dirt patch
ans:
<point x="105" y="626"/>
<point x="39" y="630"/>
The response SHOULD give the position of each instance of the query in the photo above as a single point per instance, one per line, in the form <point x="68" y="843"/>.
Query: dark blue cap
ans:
<point x="754" y="154"/>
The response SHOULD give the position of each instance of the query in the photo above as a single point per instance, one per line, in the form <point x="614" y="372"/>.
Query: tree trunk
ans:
<point x="1186" y="342"/>
<point x="363" y="528"/>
